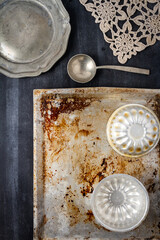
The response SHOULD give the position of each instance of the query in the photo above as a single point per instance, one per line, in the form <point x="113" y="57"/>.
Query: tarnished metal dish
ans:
<point x="120" y="203"/>
<point x="72" y="155"/>
<point x="133" y="130"/>
<point x="33" y="36"/>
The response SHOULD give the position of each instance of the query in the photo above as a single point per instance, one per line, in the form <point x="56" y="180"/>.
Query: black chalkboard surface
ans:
<point x="16" y="114"/>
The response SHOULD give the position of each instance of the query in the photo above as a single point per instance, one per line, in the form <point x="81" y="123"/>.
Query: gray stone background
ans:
<point x="16" y="114"/>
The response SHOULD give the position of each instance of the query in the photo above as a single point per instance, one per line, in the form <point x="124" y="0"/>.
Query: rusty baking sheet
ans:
<point x="71" y="155"/>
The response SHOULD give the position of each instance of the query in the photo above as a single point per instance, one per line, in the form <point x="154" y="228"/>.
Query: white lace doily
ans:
<point x="129" y="26"/>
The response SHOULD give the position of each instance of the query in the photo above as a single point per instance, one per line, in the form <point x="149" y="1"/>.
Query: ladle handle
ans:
<point x="126" y="69"/>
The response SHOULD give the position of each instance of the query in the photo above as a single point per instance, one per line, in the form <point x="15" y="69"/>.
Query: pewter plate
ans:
<point x="33" y="36"/>
<point x="72" y="155"/>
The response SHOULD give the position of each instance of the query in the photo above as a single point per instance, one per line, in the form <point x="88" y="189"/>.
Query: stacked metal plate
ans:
<point x="33" y="36"/>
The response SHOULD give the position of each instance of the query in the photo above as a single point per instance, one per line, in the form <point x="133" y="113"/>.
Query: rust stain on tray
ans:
<point x="52" y="106"/>
<point x="76" y="156"/>
<point x="82" y="132"/>
<point x="91" y="175"/>
<point x="155" y="103"/>
<point x="73" y="210"/>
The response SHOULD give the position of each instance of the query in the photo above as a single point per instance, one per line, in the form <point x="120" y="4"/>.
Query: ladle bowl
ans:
<point x="82" y="68"/>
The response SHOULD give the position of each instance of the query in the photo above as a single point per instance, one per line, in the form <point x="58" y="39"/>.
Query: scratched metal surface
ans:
<point x="71" y="155"/>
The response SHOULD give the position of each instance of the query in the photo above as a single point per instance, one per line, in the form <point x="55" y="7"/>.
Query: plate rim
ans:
<point x="42" y="67"/>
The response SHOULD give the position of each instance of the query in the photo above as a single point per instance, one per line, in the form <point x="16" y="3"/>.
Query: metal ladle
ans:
<point x="82" y="68"/>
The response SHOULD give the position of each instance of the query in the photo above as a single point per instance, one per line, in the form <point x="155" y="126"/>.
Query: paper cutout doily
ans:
<point x="129" y="26"/>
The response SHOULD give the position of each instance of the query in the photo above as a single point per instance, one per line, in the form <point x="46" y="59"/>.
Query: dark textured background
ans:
<point x="16" y="114"/>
